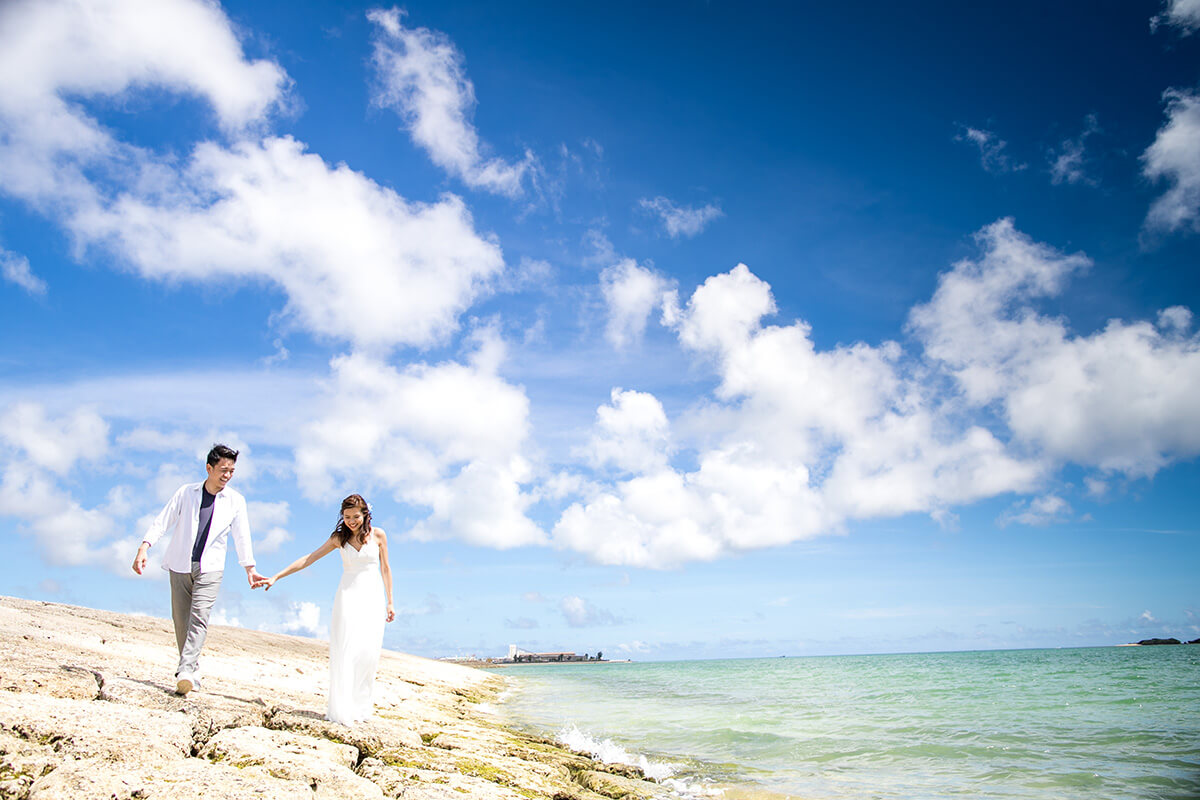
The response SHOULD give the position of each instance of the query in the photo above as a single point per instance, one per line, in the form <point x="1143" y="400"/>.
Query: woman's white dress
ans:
<point x="356" y="635"/>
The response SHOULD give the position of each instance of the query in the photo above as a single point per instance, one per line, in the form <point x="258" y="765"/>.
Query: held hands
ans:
<point x="255" y="579"/>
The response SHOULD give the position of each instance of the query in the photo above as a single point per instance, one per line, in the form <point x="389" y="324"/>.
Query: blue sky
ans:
<point x="690" y="331"/>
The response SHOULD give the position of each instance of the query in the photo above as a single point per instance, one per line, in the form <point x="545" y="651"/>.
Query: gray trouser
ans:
<point x="192" y="598"/>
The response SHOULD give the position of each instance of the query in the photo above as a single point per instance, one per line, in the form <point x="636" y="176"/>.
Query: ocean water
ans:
<point x="1117" y="722"/>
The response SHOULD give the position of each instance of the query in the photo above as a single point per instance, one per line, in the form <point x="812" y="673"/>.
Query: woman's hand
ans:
<point x="391" y="613"/>
<point x="268" y="583"/>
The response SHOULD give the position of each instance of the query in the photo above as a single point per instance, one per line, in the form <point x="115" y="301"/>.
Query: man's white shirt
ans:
<point x="181" y="517"/>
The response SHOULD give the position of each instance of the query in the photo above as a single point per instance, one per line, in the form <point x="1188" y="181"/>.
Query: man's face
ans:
<point x="220" y="474"/>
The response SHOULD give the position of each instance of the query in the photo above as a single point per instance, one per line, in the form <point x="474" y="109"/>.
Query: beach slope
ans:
<point x="88" y="710"/>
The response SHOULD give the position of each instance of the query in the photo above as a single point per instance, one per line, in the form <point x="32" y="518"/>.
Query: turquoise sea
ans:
<point x="1117" y="722"/>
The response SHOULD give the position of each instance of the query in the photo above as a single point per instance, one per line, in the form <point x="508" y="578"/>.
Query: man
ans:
<point x="200" y="517"/>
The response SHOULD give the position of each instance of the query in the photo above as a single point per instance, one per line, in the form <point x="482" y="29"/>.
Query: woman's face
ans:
<point x="353" y="518"/>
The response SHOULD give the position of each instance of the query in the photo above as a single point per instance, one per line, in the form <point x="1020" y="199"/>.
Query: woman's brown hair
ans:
<point x="343" y="533"/>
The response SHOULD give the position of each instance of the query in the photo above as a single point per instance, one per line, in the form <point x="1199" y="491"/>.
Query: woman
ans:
<point x="356" y="630"/>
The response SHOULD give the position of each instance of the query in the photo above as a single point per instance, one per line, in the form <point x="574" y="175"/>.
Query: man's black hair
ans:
<point x="220" y="451"/>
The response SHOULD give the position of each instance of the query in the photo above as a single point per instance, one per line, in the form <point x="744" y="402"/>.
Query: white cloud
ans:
<point x="270" y="211"/>
<point x="1068" y="164"/>
<point x="797" y="442"/>
<point x="53" y="444"/>
<point x="1176" y="319"/>
<point x="268" y="514"/>
<point x="55" y="52"/>
<point x="447" y="437"/>
<point x="631" y="293"/>
<point x="579" y="613"/>
<point x="1181" y="14"/>
<point x="1174" y="156"/>
<point x="1121" y="399"/>
<point x="88" y="47"/>
<point x="1039" y="511"/>
<point x="154" y="440"/>
<point x="632" y="434"/>
<point x="272" y="541"/>
<point x="221" y="617"/>
<point x="992" y="155"/>
<point x="300" y="618"/>
<point x="421" y="77"/>
<point x="251" y="211"/>
<point x="16" y="270"/>
<point x="680" y="220"/>
<point x="977" y="323"/>
<point x="172" y="412"/>
<point x="39" y="453"/>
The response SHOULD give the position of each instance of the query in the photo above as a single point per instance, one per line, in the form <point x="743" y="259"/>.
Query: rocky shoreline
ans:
<point x="88" y="710"/>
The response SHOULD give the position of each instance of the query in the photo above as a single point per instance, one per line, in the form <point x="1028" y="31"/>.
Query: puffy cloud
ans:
<point x="272" y="541"/>
<point x="15" y="269"/>
<point x="724" y="311"/>
<point x="978" y="323"/>
<point x="797" y="442"/>
<point x="992" y="155"/>
<point x="56" y="51"/>
<point x="254" y="210"/>
<point x="300" y="618"/>
<point x="271" y="211"/>
<point x="1181" y="14"/>
<point x="103" y="47"/>
<point x="40" y="451"/>
<point x="221" y="616"/>
<point x="421" y="77"/>
<point x="680" y="220"/>
<point x="270" y="516"/>
<point x="53" y="444"/>
<point x="447" y="437"/>
<point x="1121" y="399"/>
<point x="1174" y="156"/>
<point x="632" y="434"/>
<point x="631" y="293"/>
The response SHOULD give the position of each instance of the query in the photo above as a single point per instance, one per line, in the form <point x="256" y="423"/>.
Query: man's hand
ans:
<point x="255" y="579"/>
<point x="139" y="561"/>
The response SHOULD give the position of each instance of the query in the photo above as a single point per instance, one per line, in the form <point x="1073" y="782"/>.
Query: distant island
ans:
<point x="1152" y="642"/>
<point x="518" y="656"/>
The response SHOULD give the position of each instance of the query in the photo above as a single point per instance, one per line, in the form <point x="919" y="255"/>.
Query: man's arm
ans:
<point x="165" y="519"/>
<point x="240" y="531"/>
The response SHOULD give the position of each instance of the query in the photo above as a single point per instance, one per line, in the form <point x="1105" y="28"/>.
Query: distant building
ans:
<point x="520" y="656"/>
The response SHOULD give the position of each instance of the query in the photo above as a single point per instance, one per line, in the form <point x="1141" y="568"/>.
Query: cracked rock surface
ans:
<point x="88" y="710"/>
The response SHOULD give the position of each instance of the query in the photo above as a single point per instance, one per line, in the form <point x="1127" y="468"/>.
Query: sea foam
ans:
<point x="609" y="752"/>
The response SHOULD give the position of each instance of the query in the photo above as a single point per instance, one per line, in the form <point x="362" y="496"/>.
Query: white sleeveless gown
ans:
<point x="356" y="635"/>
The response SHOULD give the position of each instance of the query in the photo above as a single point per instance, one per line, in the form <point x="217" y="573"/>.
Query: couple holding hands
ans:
<point x="201" y="517"/>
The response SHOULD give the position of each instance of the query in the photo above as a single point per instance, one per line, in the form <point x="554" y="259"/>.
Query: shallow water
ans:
<point x="1087" y="723"/>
